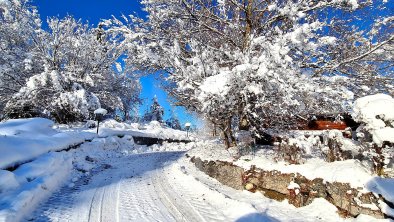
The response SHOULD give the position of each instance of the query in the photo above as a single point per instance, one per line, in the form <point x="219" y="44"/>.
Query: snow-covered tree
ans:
<point x="246" y="59"/>
<point x="128" y="89"/>
<point x="81" y="74"/>
<point x="362" y="49"/>
<point x="174" y="123"/>
<point x="19" y="24"/>
<point x="155" y="112"/>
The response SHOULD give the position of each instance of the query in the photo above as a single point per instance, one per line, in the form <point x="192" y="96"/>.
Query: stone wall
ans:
<point x="274" y="184"/>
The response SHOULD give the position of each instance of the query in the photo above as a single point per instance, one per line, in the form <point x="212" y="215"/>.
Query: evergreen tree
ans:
<point x="174" y="123"/>
<point x="156" y="112"/>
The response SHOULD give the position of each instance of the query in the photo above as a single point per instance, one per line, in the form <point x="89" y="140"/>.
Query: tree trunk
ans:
<point x="248" y="25"/>
<point x="229" y="139"/>
<point x="214" y="133"/>
<point x="230" y="133"/>
<point x="244" y="123"/>
<point x="226" y="139"/>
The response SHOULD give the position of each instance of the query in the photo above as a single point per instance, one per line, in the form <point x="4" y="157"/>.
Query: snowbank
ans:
<point x="153" y="130"/>
<point x="32" y="183"/>
<point x="27" y="126"/>
<point x="8" y="181"/>
<point x="25" y="139"/>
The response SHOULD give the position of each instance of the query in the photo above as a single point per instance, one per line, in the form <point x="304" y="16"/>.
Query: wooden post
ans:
<point x="98" y="124"/>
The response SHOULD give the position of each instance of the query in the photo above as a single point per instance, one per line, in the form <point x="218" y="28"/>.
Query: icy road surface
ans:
<point x="165" y="186"/>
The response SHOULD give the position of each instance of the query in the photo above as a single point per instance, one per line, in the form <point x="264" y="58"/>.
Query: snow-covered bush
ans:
<point x="77" y="105"/>
<point x="331" y="145"/>
<point x="376" y="132"/>
<point x="47" y="93"/>
<point x="36" y="97"/>
<point x="296" y="148"/>
<point x="336" y="147"/>
<point x="289" y="152"/>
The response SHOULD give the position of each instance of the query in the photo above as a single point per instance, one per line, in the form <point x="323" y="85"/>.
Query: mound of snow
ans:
<point x="152" y="129"/>
<point x="37" y="179"/>
<point x="376" y="112"/>
<point x="21" y="126"/>
<point x="8" y="181"/>
<point x="25" y="139"/>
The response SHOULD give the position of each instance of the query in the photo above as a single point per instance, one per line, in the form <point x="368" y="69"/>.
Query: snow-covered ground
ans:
<point x="165" y="186"/>
<point x="34" y="147"/>
<point x="23" y="140"/>
<point x="113" y="179"/>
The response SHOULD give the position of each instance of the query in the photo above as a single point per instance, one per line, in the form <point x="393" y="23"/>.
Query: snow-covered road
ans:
<point x="132" y="188"/>
<point x="165" y="186"/>
<point x="113" y="179"/>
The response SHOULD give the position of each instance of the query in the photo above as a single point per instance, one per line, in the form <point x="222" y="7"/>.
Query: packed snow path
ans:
<point x="132" y="188"/>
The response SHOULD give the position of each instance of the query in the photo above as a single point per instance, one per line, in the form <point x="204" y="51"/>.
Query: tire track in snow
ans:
<point x="139" y="202"/>
<point x="136" y="188"/>
<point x="186" y="204"/>
<point x="60" y="206"/>
<point x="189" y="204"/>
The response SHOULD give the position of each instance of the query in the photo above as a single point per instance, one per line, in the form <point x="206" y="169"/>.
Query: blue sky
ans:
<point x="93" y="11"/>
